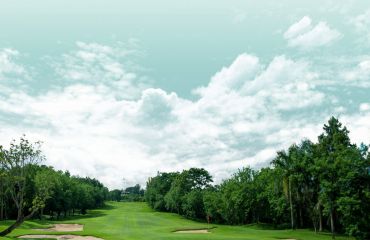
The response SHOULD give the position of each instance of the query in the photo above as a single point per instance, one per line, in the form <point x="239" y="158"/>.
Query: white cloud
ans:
<point x="299" y="27"/>
<point x="7" y="64"/>
<point x="304" y="35"/>
<point x="359" y="75"/>
<point x="248" y="111"/>
<point x="359" y="126"/>
<point x="362" y="25"/>
<point x="364" y="107"/>
<point x="96" y="63"/>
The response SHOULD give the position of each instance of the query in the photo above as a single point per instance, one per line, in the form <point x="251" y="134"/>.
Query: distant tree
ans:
<point x="188" y="180"/>
<point x="115" y="195"/>
<point x="133" y="194"/>
<point x="156" y="189"/>
<point x="239" y="197"/>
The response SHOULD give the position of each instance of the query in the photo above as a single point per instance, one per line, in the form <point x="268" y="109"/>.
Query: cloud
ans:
<point x="303" y="25"/>
<point x="8" y="67"/>
<point x="362" y="25"/>
<point x="96" y="63"/>
<point x="364" y="107"/>
<point x="304" y="35"/>
<point x="247" y="111"/>
<point x="359" y="125"/>
<point x="359" y="75"/>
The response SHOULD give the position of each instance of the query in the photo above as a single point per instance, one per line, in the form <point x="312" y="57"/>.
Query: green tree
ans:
<point x="115" y="195"/>
<point x="192" y="179"/>
<point x="16" y="161"/>
<point x="354" y="200"/>
<point x="334" y="146"/>
<point x="286" y="161"/>
<point x="213" y="204"/>
<point x="156" y="189"/>
<point x="193" y="206"/>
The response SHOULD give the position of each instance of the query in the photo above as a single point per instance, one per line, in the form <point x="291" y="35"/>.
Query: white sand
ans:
<point x="193" y="231"/>
<point x="61" y="237"/>
<point x="63" y="228"/>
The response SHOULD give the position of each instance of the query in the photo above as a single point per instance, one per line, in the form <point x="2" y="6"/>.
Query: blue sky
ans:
<point x="119" y="89"/>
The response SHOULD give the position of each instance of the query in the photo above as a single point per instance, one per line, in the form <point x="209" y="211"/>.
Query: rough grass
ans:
<point x="135" y="221"/>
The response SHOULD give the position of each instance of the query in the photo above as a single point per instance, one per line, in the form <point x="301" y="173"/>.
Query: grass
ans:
<point x="135" y="221"/>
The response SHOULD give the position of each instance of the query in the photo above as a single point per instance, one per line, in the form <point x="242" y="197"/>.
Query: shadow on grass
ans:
<point x="95" y="213"/>
<point x="193" y="229"/>
<point x="25" y="225"/>
<point x="35" y="223"/>
<point x="263" y="226"/>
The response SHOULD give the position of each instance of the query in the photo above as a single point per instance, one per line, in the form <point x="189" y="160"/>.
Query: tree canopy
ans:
<point x="323" y="185"/>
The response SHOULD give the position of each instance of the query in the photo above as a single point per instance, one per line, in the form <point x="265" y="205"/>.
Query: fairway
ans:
<point x="135" y="221"/>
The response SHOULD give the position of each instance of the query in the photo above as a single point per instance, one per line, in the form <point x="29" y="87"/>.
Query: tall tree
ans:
<point x="333" y="145"/>
<point x="16" y="162"/>
<point x="286" y="162"/>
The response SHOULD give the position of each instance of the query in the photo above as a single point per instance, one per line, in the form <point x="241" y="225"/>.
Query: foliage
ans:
<point x="29" y="189"/>
<point x="323" y="185"/>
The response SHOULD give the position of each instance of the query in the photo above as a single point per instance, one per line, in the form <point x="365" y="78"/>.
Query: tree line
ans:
<point x="29" y="189"/>
<point x="323" y="185"/>
<point x="129" y="194"/>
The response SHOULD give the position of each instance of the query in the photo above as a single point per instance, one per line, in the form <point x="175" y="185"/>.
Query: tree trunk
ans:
<point x="2" y="209"/>
<point x="1" y="201"/>
<point x="332" y="224"/>
<point x="291" y="204"/>
<point x="17" y="223"/>
<point x="320" y="219"/>
<point x="314" y="224"/>
<point x="301" y="217"/>
<point x="11" y="227"/>
<point x="41" y="213"/>
<point x="299" y="205"/>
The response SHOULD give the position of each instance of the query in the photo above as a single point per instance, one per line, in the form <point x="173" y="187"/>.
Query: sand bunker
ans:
<point x="193" y="231"/>
<point x="63" y="228"/>
<point x="61" y="237"/>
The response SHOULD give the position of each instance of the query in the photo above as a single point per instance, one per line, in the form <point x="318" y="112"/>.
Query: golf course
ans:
<point x="124" y="220"/>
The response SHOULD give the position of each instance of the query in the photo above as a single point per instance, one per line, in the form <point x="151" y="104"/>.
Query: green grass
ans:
<point x="137" y="221"/>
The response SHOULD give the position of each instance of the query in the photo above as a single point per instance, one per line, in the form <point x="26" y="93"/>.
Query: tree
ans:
<point x="213" y="203"/>
<point x="286" y="162"/>
<point x="156" y="189"/>
<point x="239" y="197"/>
<point x="115" y="195"/>
<point x="16" y="162"/>
<point x="193" y="205"/>
<point x="330" y="178"/>
<point x="133" y="194"/>
<point x="188" y="180"/>
<point x="333" y="147"/>
<point x="353" y="204"/>
<point x="2" y="192"/>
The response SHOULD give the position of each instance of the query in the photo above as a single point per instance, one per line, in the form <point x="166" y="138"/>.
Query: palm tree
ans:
<point x="285" y="162"/>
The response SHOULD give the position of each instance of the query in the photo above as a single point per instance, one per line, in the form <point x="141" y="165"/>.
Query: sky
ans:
<point x="119" y="90"/>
